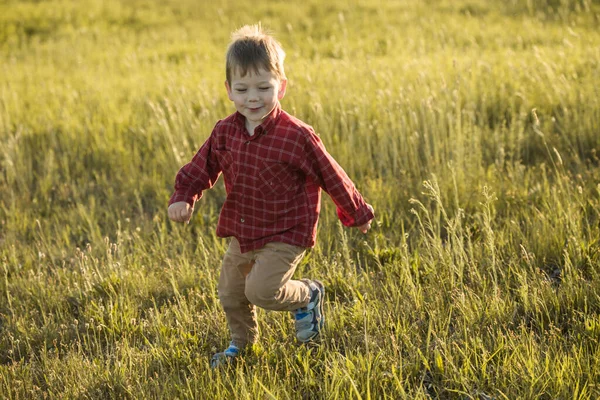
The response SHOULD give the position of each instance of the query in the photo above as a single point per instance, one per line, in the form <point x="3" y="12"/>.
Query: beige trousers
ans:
<point x="260" y="278"/>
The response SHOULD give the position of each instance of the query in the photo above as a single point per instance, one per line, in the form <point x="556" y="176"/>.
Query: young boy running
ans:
<point x="274" y="167"/>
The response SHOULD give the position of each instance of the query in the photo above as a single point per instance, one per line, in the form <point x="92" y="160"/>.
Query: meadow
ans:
<point x="472" y="126"/>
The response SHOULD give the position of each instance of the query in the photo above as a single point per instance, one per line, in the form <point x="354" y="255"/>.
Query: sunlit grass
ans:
<point x="471" y="126"/>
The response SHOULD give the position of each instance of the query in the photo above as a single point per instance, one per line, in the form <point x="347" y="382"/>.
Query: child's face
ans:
<point x="255" y="95"/>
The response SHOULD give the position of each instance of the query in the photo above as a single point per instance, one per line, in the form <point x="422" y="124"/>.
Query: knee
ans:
<point x="232" y="300"/>
<point x="261" y="296"/>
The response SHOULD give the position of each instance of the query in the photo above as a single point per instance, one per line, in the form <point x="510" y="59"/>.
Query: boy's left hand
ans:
<point x="364" y="228"/>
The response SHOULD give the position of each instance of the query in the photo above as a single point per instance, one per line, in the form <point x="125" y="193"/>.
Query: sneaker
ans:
<point x="225" y="357"/>
<point x="310" y="319"/>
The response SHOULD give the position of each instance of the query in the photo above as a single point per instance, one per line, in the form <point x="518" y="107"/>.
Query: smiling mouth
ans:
<point x="254" y="109"/>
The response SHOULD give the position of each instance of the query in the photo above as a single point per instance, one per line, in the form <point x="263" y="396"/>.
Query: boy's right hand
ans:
<point x="180" y="212"/>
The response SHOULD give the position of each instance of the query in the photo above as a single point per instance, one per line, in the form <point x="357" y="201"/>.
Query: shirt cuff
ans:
<point x="177" y="197"/>
<point x="360" y="217"/>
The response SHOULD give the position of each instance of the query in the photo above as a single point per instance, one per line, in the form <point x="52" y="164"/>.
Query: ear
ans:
<point x="282" y="87"/>
<point x="228" y="90"/>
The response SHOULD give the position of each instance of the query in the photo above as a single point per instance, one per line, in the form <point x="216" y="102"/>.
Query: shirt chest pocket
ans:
<point x="278" y="178"/>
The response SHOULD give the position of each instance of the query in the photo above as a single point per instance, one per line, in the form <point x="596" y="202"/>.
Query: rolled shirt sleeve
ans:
<point x="199" y="174"/>
<point x="320" y="166"/>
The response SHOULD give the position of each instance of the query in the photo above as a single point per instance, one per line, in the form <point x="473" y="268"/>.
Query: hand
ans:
<point x="180" y="212"/>
<point x="364" y="228"/>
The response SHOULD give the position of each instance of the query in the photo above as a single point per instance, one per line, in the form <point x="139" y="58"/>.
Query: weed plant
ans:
<point x="472" y="126"/>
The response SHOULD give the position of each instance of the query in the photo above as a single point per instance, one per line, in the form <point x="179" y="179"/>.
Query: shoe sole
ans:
<point x="321" y="308"/>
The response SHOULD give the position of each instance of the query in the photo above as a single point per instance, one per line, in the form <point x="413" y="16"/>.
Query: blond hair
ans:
<point x="253" y="48"/>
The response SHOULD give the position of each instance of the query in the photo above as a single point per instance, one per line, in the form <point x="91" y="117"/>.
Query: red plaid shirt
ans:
<point x="273" y="181"/>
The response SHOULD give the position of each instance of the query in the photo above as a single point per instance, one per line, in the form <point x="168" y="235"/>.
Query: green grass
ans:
<point x="472" y="126"/>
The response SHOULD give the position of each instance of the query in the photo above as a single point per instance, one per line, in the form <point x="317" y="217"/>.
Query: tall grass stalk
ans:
<point x="471" y="126"/>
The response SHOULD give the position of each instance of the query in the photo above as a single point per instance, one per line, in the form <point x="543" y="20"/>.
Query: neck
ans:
<point x="250" y="127"/>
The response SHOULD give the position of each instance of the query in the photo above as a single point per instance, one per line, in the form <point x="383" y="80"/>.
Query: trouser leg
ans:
<point x="269" y="284"/>
<point x="240" y="313"/>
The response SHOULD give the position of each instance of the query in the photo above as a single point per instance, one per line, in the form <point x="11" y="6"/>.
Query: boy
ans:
<point x="274" y="167"/>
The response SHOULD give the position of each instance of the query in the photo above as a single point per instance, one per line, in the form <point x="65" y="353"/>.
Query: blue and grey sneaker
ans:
<point x="310" y="319"/>
<point x="225" y="357"/>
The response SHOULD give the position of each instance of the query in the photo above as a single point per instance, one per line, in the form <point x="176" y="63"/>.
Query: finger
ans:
<point x="183" y="214"/>
<point x="366" y="228"/>
<point x="174" y="213"/>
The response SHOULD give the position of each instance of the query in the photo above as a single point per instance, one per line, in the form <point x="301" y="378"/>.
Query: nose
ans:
<point x="252" y="95"/>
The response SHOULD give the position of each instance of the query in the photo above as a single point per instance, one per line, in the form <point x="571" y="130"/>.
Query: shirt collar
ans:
<point x="268" y="123"/>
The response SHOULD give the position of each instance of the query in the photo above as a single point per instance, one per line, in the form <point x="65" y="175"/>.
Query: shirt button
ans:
<point x="242" y="220"/>
<point x="247" y="142"/>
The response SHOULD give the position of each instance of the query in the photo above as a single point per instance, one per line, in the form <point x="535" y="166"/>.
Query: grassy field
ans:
<point x="472" y="126"/>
